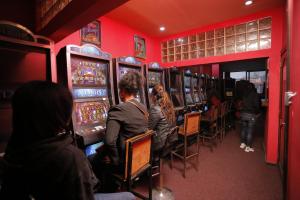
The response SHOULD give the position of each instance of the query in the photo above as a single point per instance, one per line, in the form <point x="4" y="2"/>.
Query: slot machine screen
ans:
<point x="90" y="116"/>
<point x="176" y="93"/>
<point x="201" y="82"/>
<point x="88" y="72"/>
<point x="196" y="97"/>
<point x="150" y="90"/>
<point x="189" y="99"/>
<point x="179" y="119"/>
<point x="195" y="82"/>
<point x="154" y="78"/>
<point x="124" y="70"/>
<point x="187" y="81"/>
<point x="19" y="65"/>
<point x="91" y="149"/>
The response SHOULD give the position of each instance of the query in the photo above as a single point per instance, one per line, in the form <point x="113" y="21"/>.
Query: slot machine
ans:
<point x="23" y="57"/>
<point x="175" y="89"/>
<point x="196" y="89"/>
<point x="87" y="72"/>
<point x="229" y="88"/>
<point x="187" y="89"/>
<point x="122" y="65"/>
<point x="202" y="92"/>
<point x="154" y="74"/>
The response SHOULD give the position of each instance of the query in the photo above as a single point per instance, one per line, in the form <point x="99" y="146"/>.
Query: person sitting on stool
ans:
<point x="125" y="120"/>
<point x="162" y="116"/>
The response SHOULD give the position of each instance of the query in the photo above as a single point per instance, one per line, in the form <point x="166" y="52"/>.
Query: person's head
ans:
<point x="161" y="98"/>
<point x="129" y="85"/>
<point x="41" y="110"/>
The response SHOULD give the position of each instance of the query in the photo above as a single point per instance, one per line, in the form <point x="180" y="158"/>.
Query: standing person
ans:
<point x="249" y="111"/>
<point x="125" y="120"/>
<point x="40" y="160"/>
<point x="162" y="116"/>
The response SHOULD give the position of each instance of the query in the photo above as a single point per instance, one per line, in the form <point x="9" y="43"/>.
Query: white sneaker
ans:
<point x="249" y="149"/>
<point x="243" y="145"/>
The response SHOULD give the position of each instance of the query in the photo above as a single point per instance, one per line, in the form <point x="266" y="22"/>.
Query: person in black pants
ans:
<point x="249" y="112"/>
<point x="125" y="120"/>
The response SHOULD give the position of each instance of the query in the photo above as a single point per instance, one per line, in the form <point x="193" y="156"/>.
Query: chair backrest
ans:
<point x="192" y="123"/>
<point x="214" y="113"/>
<point x="138" y="154"/>
<point x="223" y="109"/>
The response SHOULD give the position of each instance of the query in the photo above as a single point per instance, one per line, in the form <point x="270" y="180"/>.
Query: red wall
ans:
<point x="273" y="54"/>
<point x="293" y="177"/>
<point x="215" y="69"/>
<point x="117" y="39"/>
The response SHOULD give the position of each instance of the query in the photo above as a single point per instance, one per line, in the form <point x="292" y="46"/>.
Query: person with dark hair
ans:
<point x="125" y="120"/>
<point x="162" y="116"/>
<point x="40" y="160"/>
<point x="249" y="111"/>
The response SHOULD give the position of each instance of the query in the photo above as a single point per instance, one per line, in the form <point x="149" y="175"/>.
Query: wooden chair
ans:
<point x="212" y="124"/>
<point x="138" y="160"/>
<point x="190" y="127"/>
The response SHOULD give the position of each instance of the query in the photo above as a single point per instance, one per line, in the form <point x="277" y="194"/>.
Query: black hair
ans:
<point x="41" y="110"/>
<point x="131" y="82"/>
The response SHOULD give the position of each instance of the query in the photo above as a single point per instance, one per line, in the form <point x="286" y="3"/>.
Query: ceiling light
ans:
<point x="248" y="2"/>
<point x="162" y="28"/>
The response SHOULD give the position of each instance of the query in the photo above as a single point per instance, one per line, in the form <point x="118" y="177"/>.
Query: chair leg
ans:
<point x="198" y="149"/>
<point x="171" y="163"/>
<point x="184" y="157"/>
<point x="150" y="183"/>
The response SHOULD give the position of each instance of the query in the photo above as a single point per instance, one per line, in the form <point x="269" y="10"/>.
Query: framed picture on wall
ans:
<point x="91" y="33"/>
<point x="139" y="47"/>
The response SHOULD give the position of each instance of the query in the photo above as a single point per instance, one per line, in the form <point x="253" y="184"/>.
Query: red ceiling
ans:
<point x="181" y="15"/>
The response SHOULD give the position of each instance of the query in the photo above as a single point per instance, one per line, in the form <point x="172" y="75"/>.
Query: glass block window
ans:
<point x="249" y="36"/>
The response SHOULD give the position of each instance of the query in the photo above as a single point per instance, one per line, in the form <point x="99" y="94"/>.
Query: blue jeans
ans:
<point x="247" y="126"/>
<point x="114" y="196"/>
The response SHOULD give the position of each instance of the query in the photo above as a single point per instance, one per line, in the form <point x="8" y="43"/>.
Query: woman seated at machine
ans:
<point x="162" y="116"/>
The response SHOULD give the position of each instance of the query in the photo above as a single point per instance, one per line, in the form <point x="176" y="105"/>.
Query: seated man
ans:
<point x="125" y="120"/>
<point x="41" y="161"/>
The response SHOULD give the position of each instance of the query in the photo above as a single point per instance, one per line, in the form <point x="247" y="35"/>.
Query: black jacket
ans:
<point x="250" y="102"/>
<point x="159" y="123"/>
<point x="49" y="169"/>
<point x="124" y="121"/>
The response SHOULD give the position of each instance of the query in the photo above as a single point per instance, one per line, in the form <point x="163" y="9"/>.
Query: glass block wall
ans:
<point x="249" y="36"/>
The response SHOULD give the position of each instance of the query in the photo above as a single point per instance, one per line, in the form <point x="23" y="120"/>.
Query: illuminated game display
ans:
<point x="85" y="72"/>
<point x="122" y="66"/>
<point x="88" y="75"/>
<point x="176" y="88"/>
<point x="154" y="75"/>
<point x="187" y="88"/>
<point x="195" y="89"/>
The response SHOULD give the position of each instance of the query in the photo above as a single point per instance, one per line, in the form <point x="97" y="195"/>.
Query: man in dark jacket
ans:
<point x="249" y="112"/>
<point x="124" y="121"/>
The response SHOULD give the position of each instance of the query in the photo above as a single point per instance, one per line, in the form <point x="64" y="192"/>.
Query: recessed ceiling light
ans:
<point x="248" y="2"/>
<point x="162" y="28"/>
